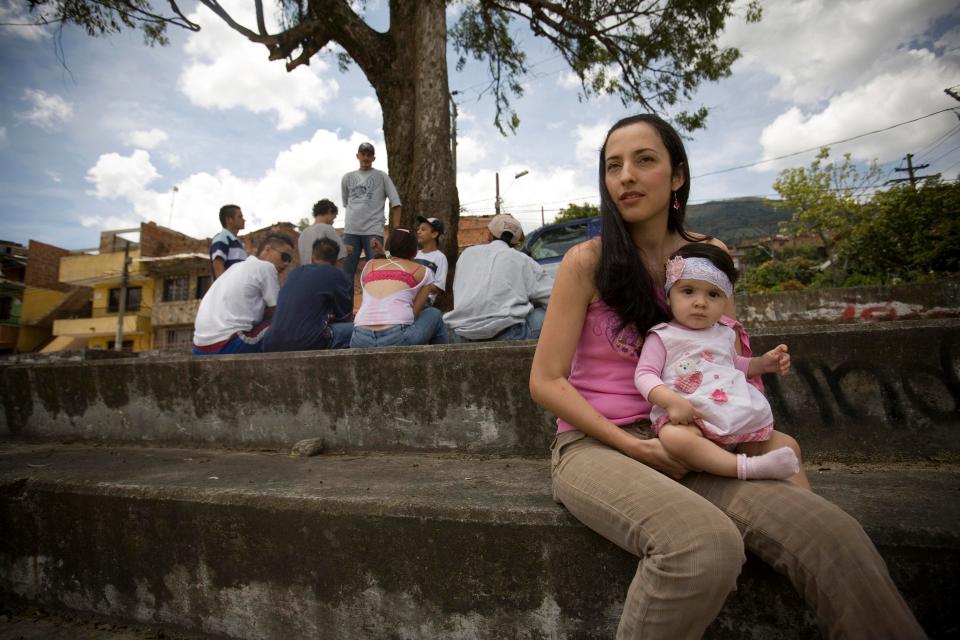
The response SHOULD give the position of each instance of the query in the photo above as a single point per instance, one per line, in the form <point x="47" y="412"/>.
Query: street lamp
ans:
<point x="519" y="174"/>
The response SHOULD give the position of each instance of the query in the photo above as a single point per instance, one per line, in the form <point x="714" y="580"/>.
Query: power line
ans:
<point x="936" y="143"/>
<point x="820" y="146"/>
<point x="944" y="155"/>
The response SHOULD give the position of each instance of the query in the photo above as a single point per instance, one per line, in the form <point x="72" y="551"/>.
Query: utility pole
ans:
<point x="496" y="204"/>
<point x="912" y="179"/>
<point x="122" y="307"/>
<point x="542" y="221"/>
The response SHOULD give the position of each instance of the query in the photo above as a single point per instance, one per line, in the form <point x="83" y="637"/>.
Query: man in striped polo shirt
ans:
<point x="226" y="249"/>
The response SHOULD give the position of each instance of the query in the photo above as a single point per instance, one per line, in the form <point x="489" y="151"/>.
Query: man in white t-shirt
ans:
<point x="235" y="312"/>
<point x="324" y="213"/>
<point x="429" y="231"/>
<point x="499" y="293"/>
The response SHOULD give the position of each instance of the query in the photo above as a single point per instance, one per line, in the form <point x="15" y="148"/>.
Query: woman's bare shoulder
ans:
<point x="586" y="254"/>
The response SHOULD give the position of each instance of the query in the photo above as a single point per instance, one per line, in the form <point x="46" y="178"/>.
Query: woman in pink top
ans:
<point x="395" y="292"/>
<point x="689" y="530"/>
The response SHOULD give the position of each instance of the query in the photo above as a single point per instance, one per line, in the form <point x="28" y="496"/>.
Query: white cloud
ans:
<point x="110" y="222"/>
<point x="300" y="176"/>
<point x="814" y="47"/>
<point x="226" y="71"/>
<point x="470" y="151"/>
<point x="53" y="175"/>
<point x="588" y="141"/>
<point x="910" y="91"/>
<point x="116" y="176"/>
<point x="3" y="135"/>
<point x="147" y="139"/>
<point x="368" y="106"/>
<point x="47" y="110"/>
<point x="569" y="80"/>
<point x="173" y="159"/>
<point x="19" y="22"/>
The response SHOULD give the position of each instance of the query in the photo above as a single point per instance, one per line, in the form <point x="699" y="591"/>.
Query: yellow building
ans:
<point x="103" y="273"/>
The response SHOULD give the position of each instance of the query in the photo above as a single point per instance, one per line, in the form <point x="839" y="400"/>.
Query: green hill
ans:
<point x="736" y="220"/>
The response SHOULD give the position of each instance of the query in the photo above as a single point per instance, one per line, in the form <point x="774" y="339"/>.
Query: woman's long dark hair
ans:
<point x="624" y="282"/>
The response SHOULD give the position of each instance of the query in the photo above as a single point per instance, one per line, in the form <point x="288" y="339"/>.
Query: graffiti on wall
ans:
<point x="862" y="388"/>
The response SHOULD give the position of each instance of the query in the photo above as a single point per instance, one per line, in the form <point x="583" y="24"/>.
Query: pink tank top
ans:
<point x="606" y="359"/>
<point x="603" y="366"/>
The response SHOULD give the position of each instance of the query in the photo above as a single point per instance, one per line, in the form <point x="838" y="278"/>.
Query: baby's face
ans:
<point x="697" y="304"/>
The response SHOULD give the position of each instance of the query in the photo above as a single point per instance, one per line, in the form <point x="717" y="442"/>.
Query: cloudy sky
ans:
<point x="118" y="133"/>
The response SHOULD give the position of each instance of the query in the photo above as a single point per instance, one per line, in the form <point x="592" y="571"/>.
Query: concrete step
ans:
<point x="858" y="393"/>
<point x="262" y="545"/>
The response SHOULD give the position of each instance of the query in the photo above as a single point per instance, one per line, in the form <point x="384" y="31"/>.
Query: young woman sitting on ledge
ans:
<point x="395" y="293"/>
<point x="688" y="529"/>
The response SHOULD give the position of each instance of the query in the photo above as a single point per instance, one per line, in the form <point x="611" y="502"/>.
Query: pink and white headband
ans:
<point x="679" y="268"/>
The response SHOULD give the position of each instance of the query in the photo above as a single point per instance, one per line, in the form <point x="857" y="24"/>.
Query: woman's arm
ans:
<point x="420" y="301"/>
<point x="549" y="387"/>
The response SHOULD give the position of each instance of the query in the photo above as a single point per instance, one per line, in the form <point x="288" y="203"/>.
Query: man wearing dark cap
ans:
<point x="429" y="231"/>
<point x="499" y="293"/>
<point x="364" y="191"/>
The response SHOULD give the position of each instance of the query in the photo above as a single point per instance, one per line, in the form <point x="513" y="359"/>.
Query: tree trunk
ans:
<point x="414" y="97"/>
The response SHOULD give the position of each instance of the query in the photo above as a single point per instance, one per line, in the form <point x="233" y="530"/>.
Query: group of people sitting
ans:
<point x="499" y="292"/>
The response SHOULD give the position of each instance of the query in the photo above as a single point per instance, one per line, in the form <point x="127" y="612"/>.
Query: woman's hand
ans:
<point x="651" y="453"/>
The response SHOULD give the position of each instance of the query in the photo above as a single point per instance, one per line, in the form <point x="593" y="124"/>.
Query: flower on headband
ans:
<point x="674" y="269"/>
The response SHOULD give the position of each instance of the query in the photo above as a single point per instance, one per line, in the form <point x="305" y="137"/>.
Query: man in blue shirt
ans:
<point x="314" y="307"/>
<point x="226" y="249"/>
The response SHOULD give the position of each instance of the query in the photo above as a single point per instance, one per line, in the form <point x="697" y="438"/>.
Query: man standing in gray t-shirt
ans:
<point x="324" y="213"/>
<point x="364" y="191"/>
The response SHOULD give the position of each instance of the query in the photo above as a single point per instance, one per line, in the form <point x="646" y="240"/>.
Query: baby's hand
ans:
<point x="777" y="360"/>
<point x="681" y="412"/>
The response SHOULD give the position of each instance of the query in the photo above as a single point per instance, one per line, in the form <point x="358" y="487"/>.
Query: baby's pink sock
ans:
<point x="774" y="465"/>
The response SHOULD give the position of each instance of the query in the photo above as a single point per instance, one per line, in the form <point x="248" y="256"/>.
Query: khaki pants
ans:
<point x="690" y="537"/>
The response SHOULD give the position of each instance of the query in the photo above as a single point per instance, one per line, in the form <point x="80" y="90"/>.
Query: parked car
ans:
<point x="549" y="243"/>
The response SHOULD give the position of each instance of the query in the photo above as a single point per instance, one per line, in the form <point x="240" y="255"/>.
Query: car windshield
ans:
<point x="556" y="242"/>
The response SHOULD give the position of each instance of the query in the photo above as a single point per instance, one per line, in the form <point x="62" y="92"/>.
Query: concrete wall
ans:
<point x="858" y="392"/>
<point x="855" y="304"/>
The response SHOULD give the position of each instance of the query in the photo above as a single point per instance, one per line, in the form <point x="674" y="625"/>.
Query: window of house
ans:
<point x="6" y="308"/>
<point x="133" y="300"/>
<point x="203" y="283"/>
<point x="176" y="288"/>
<point x="179" y="339"/>
<point x="126" y="345"/>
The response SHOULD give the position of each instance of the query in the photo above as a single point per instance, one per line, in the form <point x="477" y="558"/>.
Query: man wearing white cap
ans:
<point x="364" y="191"/>
<point x="499" y="293"/>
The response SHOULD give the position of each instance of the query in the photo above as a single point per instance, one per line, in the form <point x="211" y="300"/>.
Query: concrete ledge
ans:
<point x="257" y="545"/>
<point x="859" y="393"/>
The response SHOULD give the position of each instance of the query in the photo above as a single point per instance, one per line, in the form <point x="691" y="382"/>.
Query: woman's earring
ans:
<point x="676" y="201"/>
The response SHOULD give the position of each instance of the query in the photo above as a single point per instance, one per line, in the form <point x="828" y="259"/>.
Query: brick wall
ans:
<point x="161" y="241"/>
<point x="43" y="266"/>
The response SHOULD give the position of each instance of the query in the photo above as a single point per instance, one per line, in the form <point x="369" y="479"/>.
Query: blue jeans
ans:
<point x="529" y="330"/>
<point x="242" y="342"/>
<point x="341" y="334"/>
<point x="428" y="328"/>
<point x="357" y="242"/>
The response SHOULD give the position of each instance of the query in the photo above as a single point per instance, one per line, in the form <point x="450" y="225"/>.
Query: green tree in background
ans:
<point x="576" y="211"/>
<point x="909" y="233"/>
<point x="653" y="54"/>
<point x="902" y="234"/>
<point x="827" y="199"/>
